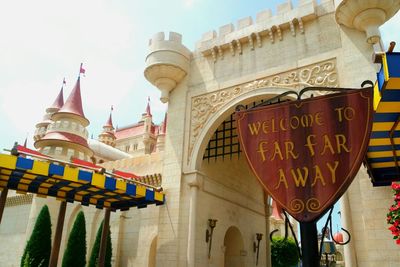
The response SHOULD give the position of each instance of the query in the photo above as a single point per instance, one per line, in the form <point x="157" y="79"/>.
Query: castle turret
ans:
<point x="41" y="127"/>
<point x="167" y="63"/>
<point x="366" y="16"/>
<point x="66" y="136"/>
<point x="108" y="136"/>
<point x="161" y="134"/>
<point x="149" y="139"/>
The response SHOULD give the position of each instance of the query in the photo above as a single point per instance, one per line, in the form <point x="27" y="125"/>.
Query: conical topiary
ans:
<point x="38" y="248"/>
<point x="75" y="253"/>
<point x="96" y="247"/>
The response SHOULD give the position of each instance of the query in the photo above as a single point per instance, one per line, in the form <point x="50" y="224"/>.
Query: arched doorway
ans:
<point x="233" y="243"/>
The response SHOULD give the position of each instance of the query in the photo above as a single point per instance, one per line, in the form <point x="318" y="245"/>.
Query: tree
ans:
<point x="284" y="252"/>
<point x="96" y="247"/>
<point x="75" y="253"/>
<point x="38" y="248"/>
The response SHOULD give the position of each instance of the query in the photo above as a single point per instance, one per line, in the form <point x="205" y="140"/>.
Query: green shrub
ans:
<point x="96" y="247"/>
<point x="38" y="248"/>
<point x="75" y="253"/>
<point x="284" y="253"/>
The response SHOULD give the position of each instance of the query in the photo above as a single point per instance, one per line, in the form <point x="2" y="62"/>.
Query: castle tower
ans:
<point x="149" y="139"/>
<point x="66" y="136"/>
<point x="41" y="127"/>
<point x="161" y="134"/>
<point x="107" y="136"/>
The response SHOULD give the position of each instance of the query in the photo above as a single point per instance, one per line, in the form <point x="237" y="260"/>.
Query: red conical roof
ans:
<point x="59" y="101"/>
<point x="148" y="112"/>
<point x="109" y="122"/>
<point x="73" y="104"/>
<point x="276" y="210"/>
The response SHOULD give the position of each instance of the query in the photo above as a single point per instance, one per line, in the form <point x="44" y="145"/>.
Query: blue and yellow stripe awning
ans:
<point x="74" y="184"/>
<point x="383" y="153"/>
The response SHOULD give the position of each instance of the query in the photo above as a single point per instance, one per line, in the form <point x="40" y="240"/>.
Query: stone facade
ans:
<point x="260" y="58"/>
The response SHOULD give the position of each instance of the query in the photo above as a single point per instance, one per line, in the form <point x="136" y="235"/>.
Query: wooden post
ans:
<point x="3" y="199"/>
<point x="58" y="235"/>
<point x="103" y="241"/>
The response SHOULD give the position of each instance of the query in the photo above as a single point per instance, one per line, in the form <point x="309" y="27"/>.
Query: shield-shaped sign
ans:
<point x="306" y="153"/>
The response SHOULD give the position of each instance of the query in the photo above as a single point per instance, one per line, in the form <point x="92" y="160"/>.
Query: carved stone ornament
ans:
<point x="204" y="106"/>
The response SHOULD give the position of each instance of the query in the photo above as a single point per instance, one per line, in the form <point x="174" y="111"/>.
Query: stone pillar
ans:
<point x="349" y="251"/>
<point x="193" y="181"/>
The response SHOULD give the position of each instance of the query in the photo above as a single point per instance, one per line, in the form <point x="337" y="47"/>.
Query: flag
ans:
<point x="112" y="107"/>
<point x="64" y="82"/>
<point x="82" y="70"/>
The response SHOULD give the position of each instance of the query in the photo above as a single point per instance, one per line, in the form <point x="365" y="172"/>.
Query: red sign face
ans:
<point x="306" y="153"/>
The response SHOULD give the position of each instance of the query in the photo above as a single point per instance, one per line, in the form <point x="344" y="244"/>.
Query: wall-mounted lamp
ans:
<point x="256" y="246"/>
<point x="209" y="233"/>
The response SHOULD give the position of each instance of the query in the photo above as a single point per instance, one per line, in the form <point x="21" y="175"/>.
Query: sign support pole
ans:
<point x="3" y="199"/>
<point x="103" y="241"/>
<point x="309" y="244"/>
<point x="57" y="235"/>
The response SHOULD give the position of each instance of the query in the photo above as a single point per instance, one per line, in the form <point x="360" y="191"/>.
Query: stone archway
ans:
<point x="233" y="244"/>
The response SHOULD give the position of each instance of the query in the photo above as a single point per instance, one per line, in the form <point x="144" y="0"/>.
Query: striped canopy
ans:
<point x="69" y="182"/>
<point x="384" y="146"/>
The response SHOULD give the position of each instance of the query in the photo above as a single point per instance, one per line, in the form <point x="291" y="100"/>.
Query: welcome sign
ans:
<point x="306" y="153"/>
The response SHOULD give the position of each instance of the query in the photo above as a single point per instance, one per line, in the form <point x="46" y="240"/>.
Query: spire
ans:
<point x="74" y="102"/>
<point x="148" y="112"/>
<point x="109" y="123"/>
<point x="59" y="101"/>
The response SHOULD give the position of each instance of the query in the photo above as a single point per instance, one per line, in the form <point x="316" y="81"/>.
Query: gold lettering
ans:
<point x="318" y="176"/>
<point x="300" y="179"/>
<point x="281" y="124"/>
<point x="289" y="146"/>
<point x="318" y="119"/>
<point x="277" y="151"/>
<point x="254" y="129"/>
<point x="307" y="120"/>
<point x="282" y="179"/>
<point x="333" y="170"/>
<point x="294" y="126"/>
<point x="349" y="113"/>
<point x="273" y="126"/>
<point x="310" y="144"/>
<point x="339" y="113"/>
<point x="327" y="145"/>
<point x="265" y="127"/>
<point x="262" y="149"/>
<point x="341" y="143"/>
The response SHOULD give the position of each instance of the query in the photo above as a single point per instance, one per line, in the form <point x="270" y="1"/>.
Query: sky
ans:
<point x="43" y="41"/>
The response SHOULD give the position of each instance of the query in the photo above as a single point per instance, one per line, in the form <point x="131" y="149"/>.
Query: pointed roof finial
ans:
<point x="109" y="121"/>
<point x="148" y="111"/>
<point x="59" y="101"/>
<point x="82" y="70"/>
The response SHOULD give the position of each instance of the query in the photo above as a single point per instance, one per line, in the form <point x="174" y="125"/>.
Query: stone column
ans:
<point x="193" y="180"/>
<point x="349" y="250"/>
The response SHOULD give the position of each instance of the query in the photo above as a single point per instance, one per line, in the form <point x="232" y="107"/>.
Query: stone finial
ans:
<point x="366" y="15"/>
<point x="167" y="63"/>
